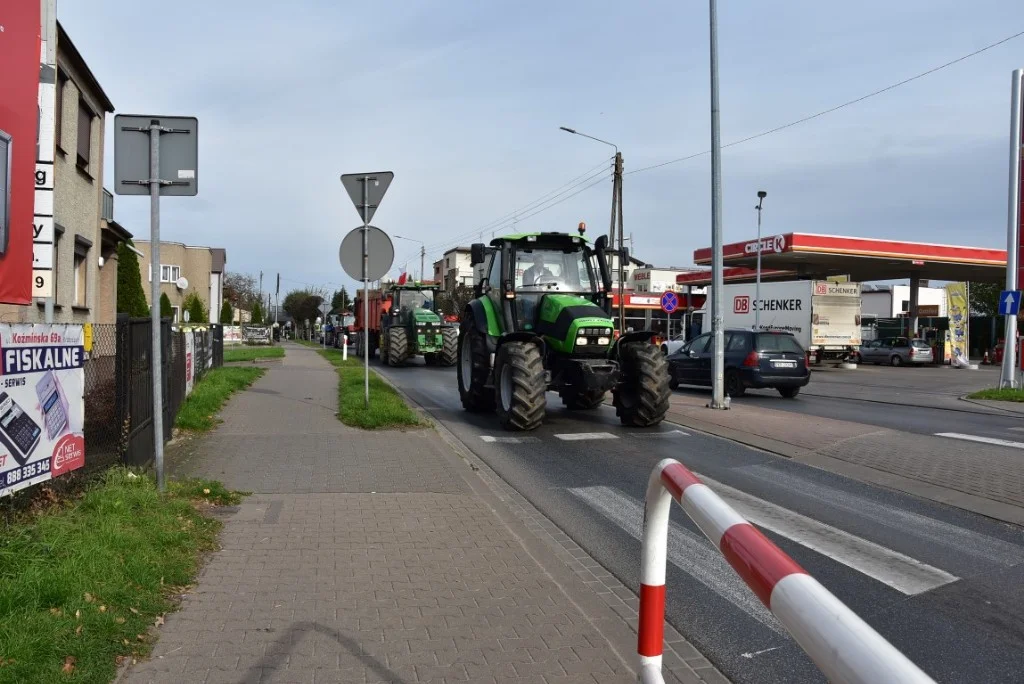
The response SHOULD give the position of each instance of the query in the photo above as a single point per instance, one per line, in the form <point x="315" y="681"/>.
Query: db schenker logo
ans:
<point x="68" y="455"/>
<point x="741" y="304"/>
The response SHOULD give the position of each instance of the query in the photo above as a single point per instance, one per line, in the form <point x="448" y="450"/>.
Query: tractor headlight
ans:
<point x="604" y="341"/>
<point x="581" y="341"/>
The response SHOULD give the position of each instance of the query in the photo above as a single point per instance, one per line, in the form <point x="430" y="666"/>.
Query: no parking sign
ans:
<point x="669" y="302"/>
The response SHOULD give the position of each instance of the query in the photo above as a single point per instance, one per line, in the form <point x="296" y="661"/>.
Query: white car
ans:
<point x="673" y="345"/>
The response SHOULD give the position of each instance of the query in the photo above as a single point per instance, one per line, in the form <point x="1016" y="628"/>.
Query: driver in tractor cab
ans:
<point x="537" y="273"/>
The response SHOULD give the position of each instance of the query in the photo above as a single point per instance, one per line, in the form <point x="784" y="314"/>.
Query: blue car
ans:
<point x="772" y="360"/>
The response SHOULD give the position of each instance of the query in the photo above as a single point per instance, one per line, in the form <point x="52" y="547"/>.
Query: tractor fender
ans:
<point x="523" y="336"/>
<point x="636" y="336"/>
<point x="475" y="315"/>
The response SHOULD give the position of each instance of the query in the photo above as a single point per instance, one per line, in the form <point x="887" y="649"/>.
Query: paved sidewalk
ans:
<point x="976" y="477"/>
<point x="381" y="557"/>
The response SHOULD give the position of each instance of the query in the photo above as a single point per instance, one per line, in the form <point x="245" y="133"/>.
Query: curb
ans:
<point x="1009" y="411"/>
<point x="595" y="592"/>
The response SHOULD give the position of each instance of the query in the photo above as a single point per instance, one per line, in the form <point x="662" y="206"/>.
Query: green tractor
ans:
<point x="541" y="321"/>
<point x="410" y="326"/>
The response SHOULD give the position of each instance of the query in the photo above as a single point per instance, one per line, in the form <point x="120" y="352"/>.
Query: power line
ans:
<point x="837" y="107"/>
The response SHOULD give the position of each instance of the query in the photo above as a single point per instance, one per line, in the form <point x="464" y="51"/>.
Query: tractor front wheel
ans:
<point x="398" y="346"/>
<point x="581" y="400"/>
<point x="520" y="387"/>
<point x="473" y="368"/>
<point x="449" y="355"/>
<point x="642" y="397"/>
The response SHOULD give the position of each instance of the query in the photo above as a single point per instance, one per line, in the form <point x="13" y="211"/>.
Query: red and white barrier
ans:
<point x="844" y="647"/>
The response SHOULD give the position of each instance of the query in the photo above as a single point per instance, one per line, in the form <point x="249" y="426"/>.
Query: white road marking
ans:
<point x="689" y="551"/>
<point x="757" y="653"/>
<point x="938" y="533"/>
<point x="983" y="440"/>
<point x="1019" y="429"/>
<point x="669" y="433"/>
<point x="509" y="440"/>
<point x="903" y="573"/>
<point x="580" y="436"/>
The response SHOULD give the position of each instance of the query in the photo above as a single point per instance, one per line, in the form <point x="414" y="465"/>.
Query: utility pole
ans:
<point x="616" y="164"/>
<point x="761" y="194"/>
<point x="261" y="288"/>
<point x="717" y="279"/>
<point x="623" y="260"/>
<point x="1014" y="244"/>
<point x="277" y="297"/>
<point x="423" y="258"/>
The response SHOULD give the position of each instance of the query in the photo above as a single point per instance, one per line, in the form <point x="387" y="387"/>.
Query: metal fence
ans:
<point x="119" y="386"/>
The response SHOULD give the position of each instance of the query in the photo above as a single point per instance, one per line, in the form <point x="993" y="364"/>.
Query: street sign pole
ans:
<point x="717" y="280"/>
<point x="154" y="260"/>
<point x="1008" y="373"/>
<point x="366" y="293"/>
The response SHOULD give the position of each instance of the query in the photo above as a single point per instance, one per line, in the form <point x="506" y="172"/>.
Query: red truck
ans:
<point x="379" y="302"/>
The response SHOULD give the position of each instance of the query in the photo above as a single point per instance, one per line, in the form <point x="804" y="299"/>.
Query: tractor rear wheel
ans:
<point x="473" y="368"/>
<point x="581" y="400"/>
<point x="398" y="346"/>
<point x="449" y="355"/>
<point x="642" y="397"/>
<point x="520" y="386"/>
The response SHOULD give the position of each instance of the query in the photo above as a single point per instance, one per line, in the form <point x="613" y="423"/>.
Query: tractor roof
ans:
<point x="542" y="238"/>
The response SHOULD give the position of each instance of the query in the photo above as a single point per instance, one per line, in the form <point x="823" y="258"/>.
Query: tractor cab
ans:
<point x="413" y="304"/>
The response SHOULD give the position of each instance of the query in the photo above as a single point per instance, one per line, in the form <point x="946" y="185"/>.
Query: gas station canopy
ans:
<point x="794" y="256"/>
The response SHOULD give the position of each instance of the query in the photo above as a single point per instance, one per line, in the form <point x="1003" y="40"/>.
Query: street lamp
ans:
<point x="761" y="194"/>
<point x="423" y="252"/>
<point x="616" y="208"/>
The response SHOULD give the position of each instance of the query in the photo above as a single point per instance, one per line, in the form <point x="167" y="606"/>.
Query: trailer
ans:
<point x="824" y="316"/>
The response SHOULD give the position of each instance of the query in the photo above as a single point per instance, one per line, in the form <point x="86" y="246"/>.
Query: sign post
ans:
<point x="159" y="170"/>
<point x="1014" y="233"/>
<point x="366" y="191"/>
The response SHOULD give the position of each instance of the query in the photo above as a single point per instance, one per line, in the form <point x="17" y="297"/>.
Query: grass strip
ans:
<point x="83" y="582"/>
<point x="387" y="407"/>
<point x="1004" y="394"/>
<point x="232" y="354"/>
<point x="210" y="393"/>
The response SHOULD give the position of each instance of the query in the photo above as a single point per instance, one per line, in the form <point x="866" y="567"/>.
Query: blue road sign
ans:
<point x="1009" y="303"/>
<point x="669" y="302"/>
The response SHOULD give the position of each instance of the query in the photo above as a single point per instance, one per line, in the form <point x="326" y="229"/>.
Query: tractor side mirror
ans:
<point x="477" y="253"/>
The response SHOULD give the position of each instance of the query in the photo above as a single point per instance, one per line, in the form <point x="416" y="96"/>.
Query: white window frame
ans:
<point x="173" y="273"/>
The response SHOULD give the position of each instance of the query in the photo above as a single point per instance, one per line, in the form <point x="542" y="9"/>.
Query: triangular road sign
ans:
<point x="378" y="183"/>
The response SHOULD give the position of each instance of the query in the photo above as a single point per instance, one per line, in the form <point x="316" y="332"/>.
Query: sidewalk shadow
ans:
<point x="288" y="641"/>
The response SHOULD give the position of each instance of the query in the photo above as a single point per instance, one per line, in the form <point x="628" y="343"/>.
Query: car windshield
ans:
<point x="540" y="270"/>
<point x="778" y="343"/>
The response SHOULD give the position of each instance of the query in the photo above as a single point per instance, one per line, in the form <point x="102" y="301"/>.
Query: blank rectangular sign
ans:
<point x="179" y="154"/>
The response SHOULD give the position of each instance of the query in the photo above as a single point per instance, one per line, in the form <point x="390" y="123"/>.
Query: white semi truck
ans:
<point x="824" y="316"/>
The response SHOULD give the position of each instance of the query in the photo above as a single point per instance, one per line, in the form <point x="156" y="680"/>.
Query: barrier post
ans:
<point x="344" y="348"/>
<point x="845" y="648"/>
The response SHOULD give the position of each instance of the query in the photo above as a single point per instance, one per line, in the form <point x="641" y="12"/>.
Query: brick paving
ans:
<point x="375" y="557"/>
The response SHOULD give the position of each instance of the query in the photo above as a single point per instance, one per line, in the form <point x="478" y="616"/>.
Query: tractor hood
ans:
<point x="425" y="316"/>
<point x="564" y="317"/>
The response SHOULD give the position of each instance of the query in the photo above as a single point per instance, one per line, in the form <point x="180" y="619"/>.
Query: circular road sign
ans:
<point x="669" y="302"/>
<point x="380" y="251"/>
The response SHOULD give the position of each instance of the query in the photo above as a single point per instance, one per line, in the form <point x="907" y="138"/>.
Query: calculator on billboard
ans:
<point x="18" y="432"/>
<point x="53" y="403"/>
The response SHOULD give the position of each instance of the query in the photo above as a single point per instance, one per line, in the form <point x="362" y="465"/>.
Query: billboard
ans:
<point x="958" y="311"/>
<point x="46" y="144"/>
<point x="19" y="92"/>
<point x="42" y="407"/>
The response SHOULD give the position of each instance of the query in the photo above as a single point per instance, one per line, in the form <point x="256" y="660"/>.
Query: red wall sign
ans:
<point x="19" y="95"/>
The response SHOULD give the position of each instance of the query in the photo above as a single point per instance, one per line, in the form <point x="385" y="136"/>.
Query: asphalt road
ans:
<point x="945" y="586"/>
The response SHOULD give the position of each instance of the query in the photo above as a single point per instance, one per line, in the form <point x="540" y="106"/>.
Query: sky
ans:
<point x="463" y="101"/>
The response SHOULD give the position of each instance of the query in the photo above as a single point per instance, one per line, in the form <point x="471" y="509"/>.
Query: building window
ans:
<point x="85" y="118"/>
<point x="175" y="311"/>
<point x="168" y="274"/>
<point x="81" y="271"/>
<point x="62" y="80"/>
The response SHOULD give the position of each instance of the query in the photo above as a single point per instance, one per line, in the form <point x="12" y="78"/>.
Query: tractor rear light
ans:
<point x="753" y="360"/>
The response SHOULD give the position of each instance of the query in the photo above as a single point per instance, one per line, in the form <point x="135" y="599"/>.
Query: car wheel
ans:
<point x="733" y="384"/>
<point x="673" y="384"/>
<point x="789" y="392"/>
<point x="896" y="360"/>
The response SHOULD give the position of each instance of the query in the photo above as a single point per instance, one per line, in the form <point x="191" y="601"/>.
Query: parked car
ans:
<point x="753" y="360"/>
<point x="673" y="345"/>
<point x="896" y="351"/>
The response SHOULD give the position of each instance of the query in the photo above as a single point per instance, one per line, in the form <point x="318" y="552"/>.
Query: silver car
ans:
<point x="896" y="351"/>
